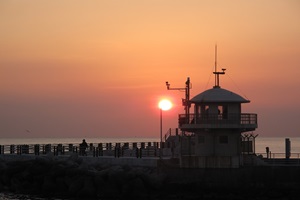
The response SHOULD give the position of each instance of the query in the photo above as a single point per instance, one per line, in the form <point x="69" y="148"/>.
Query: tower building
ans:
<point x="212" y="129"/>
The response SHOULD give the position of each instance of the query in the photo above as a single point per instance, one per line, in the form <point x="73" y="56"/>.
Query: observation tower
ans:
<point x="212" y="129"/>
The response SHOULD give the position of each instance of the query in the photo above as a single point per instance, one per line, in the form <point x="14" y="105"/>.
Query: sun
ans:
<point x="165" y="104"/>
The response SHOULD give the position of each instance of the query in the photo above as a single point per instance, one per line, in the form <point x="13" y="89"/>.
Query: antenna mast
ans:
<point x="186" y="101"/>
<point x="216" y="51"/>
<point x="217" y="80"/>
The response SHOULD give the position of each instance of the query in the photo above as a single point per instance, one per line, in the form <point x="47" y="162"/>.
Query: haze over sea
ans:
<point x="276" y="144"/>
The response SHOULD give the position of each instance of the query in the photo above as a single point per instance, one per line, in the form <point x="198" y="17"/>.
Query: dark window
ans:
<point x="222" y="112"/>
<point x="223" y="139"/>
<point x="225" y="112"/>
<point x="206" y="112"/>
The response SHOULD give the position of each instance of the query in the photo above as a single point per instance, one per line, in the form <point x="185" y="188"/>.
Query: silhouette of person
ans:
<point x="267" y="151"/>
<point x="83" y="147"/>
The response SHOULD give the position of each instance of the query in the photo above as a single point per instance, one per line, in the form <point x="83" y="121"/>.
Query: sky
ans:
<point x="75" y="68"/>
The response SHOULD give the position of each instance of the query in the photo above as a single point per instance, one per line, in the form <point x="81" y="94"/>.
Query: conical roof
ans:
<point x="218" y="95"/>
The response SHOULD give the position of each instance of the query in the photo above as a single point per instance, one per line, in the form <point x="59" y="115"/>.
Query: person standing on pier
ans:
<point x="83" y="147"/>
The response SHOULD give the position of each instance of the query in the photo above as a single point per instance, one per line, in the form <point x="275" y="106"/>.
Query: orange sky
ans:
<point x="98" y="68"/>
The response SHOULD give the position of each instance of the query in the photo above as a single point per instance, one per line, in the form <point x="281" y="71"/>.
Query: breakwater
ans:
<point x="79" y="177"/>
<point x="135" y="170"/>
<point x="75" y="177"/>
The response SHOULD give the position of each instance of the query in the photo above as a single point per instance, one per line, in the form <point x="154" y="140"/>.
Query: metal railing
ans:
<point x="172" y="132"/>
<point x="279" y="155"/>
<point x="237" y="119"/>
<point x="128" y="149"/>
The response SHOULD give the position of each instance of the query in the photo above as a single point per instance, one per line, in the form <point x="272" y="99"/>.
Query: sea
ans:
<point x="276" y="146"/>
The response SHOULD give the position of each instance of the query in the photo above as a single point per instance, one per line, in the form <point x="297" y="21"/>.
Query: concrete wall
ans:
<point x="210" y="162"/>
<point x="248" y="178"/>
<point x="212" y="146"/>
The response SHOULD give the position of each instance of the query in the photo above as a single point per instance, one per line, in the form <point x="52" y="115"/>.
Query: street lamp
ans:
<point x="163" y="105"/>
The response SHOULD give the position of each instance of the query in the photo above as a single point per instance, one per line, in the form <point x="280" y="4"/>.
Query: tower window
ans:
<point x="223" y="139"/>
<point x="223" y="112"/>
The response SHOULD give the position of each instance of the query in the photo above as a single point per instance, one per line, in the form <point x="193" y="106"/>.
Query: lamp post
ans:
<point x="163" y="105"/>
<point x="160" y="145"/>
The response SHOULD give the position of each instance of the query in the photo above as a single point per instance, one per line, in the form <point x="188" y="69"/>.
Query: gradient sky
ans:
<point x="98" y="68"/>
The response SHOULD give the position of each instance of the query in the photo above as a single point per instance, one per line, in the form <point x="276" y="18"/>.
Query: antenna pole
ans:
<point x="216" y="73"/>
<point x="216" y="51"/>
<point x="186" y="101"/>
<point x="216" y="76"/>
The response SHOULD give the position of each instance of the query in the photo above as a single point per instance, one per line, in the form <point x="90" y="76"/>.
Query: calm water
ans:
<point x="276" y="144"/>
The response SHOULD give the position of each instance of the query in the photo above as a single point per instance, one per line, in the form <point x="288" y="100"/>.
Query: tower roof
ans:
<point x="218" y="95"/>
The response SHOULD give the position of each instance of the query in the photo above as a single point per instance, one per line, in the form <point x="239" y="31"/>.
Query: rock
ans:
<point x="88" y="190"/>
<point x="49" y="185"/>
<point x="75" y="186"/>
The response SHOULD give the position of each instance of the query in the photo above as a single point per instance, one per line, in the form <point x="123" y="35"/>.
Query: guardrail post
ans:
<point x="71" y="149"/>
<point x="59" y="149"/>
<point x="137" y="152"/>
<point x="18" y="149"/>
<point x="25" y="149"/>
<point x="115" y="151"/>
<point x="287" y="148"/>
<point x="12" y="149"/>
<point x="55" y="150"/>
<point x="74" y="149"/>
<point x="108" y="146"/>
<point x="48" y="148"/>
<point x="91" y="146"/>
<point x="141" y="152"/>
<point x="36" y="149"/>
<point x="134" y="145"/>
<point x="100" y="148"/>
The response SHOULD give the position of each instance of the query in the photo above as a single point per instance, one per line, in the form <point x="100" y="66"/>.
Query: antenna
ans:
<point x="216" y="73"/>
<point x="216" y="52"/>
<point x="186" y="101"/>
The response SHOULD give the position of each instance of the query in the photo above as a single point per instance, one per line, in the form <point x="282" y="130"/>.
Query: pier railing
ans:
<point x="279" y="155"/>
<point x="238" y="120"/>
<point x="122" y="149"/>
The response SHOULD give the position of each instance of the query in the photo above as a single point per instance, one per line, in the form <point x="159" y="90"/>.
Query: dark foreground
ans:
<point x="75" y="178"/>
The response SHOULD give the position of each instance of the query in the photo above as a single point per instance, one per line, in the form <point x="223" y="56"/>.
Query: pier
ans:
<point x="132" y="153"/>
<point x="153" y="150"/>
